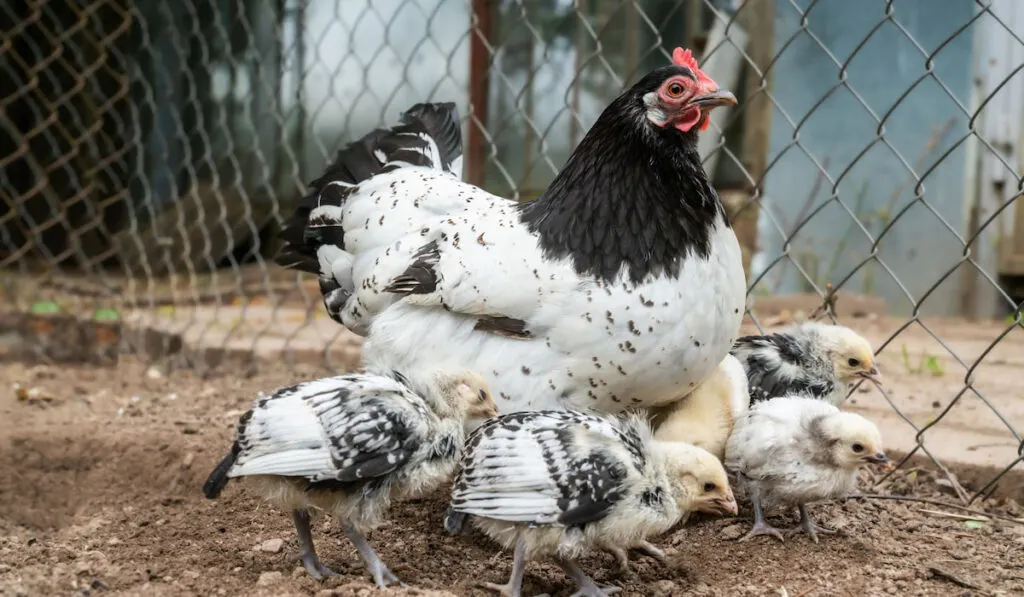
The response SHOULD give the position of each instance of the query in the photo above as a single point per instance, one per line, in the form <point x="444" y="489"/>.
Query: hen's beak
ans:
<point x="878" y="458"/>
<point x="719" y="97"/>
<point x="874" y="375"/>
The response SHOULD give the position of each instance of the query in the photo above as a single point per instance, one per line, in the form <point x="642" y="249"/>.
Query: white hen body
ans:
<point x="593" y="345"/>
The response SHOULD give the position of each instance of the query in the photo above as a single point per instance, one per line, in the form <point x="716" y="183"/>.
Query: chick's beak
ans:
<point x="719" y="97"/>
<point x="722" y="505"/>
<point x="873" y="374"/>
<point x="878" y="458"/>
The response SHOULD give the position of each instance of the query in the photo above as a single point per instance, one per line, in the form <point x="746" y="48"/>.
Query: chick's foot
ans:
<point x="587" y="586"/>
<point x="807" y="525"/>
<point x="382" y="575"/>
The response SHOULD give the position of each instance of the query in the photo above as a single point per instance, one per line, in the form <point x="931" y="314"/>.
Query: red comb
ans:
<point x="684" y="58"/>
<point x="681" y="57"/>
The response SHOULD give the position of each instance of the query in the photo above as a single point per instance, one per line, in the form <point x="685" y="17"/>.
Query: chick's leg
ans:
<point x="307" y="553"/>
<point x="621" y="557"/>
<point x="641" y="547"/>
<point x="515" y="582"/>
<point x="587" y="586"/>
<point x="760" y="526"/>
<point x="382" y="576"/>
<point x="651" y="551"/>
<point x="807" y="525"/>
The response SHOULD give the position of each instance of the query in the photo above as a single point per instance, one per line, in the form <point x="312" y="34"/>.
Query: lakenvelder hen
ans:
<point x="621" y="285"/>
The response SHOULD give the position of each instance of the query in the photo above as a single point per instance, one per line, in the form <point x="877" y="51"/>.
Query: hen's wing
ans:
<point x="546" y="467"/>
<point x="346" y="429"/>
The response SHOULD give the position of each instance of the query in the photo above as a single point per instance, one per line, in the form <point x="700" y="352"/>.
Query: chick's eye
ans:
<point x="853" y="362"/>
<point x="709" y="487"/>
<point x="858" y="448"/>
<point x="483" y="396"/>
<point x="675" y="89"/>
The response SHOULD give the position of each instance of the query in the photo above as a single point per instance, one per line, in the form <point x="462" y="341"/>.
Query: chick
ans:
<point x="790" y="451"/>
<point x="349" y="445"/>
<point x="705" y="416"/>
<point x="710" y="494"/>
<point x="558" y="483"/>
<point x="816" y="360"/>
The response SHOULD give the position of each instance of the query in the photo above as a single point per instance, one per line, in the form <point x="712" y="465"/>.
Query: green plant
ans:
<point x="44" y="308"/>
<point x="927" y="363"/>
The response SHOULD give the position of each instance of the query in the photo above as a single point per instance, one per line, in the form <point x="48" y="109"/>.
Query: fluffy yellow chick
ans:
<point x="705" y="416"/>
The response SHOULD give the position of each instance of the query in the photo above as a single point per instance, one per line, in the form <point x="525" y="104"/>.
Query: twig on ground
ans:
<point x="908" y="498"/>
<point x="977" y="518"/>
<point x="956" y="580"/>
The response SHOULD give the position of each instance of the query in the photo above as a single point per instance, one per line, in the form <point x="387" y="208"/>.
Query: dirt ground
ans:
<point x="100" y="475"/>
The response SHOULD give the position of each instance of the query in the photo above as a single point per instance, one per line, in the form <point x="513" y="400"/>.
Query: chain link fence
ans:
<point x="150" y="151"/>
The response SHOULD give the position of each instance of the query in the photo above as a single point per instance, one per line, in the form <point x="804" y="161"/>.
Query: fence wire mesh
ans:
<point x="150" y="151"/>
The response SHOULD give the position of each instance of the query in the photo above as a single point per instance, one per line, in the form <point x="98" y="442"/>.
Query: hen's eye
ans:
<point x="709" y="487"/>
<point x="675" y="89"/>
<point x="858" y="448"/>
<point x="853" y="362"/>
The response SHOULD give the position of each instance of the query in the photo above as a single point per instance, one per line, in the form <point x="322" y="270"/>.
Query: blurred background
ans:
<point x="150" y="150"/>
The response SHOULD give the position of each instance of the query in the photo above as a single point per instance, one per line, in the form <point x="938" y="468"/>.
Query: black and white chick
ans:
<point x="791" y="451"/>
<point x="812" y="359"/>
<point x="559" y="483"/>
<point x="348" y="446"/>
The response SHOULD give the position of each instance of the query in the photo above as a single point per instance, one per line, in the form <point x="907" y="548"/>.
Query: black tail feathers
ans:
<point x="218" y="479"/>
<point x="441" y="122"/>
<point x="359" y="161"/>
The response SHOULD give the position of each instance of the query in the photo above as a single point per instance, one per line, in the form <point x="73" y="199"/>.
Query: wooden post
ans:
<point x="481" y="24"/>
<point x="757" y="17"/>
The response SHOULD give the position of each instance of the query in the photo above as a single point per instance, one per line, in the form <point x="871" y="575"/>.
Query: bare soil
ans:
<point x="100" y="475"/>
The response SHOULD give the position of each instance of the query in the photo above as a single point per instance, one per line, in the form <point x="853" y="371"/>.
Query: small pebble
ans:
<point x="734" y="531"/>
<point x="187" y="461"/>
<point x="271" y="545"/>
<point x="269" y="578"/>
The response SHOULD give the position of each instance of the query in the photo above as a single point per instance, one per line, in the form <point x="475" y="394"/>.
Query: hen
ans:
<point x="621" y="285"/>
<point x="347" y="446"/>
<point x="558" y="483"/>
